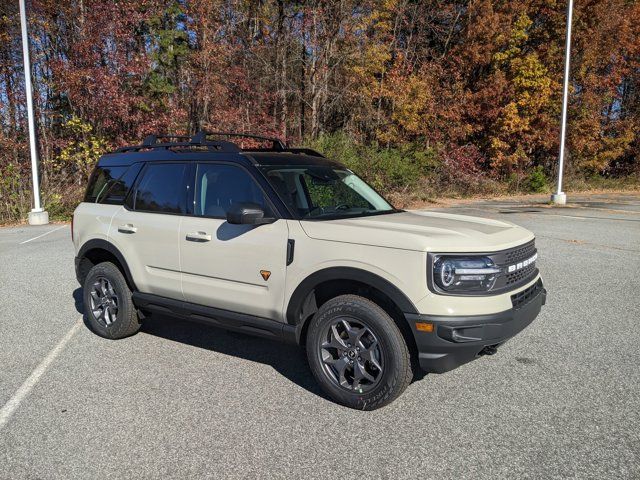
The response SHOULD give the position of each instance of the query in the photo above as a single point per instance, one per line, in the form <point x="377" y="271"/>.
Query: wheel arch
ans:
<point x="325" y="284"/>
<point x="97" y="250"/>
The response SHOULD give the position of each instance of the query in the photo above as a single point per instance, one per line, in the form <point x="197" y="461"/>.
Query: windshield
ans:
<point x="321" y="192"/>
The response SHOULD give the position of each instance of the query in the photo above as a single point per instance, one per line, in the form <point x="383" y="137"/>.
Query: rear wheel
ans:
<point x="107" y="302"/>
<point x="357" y="353"/>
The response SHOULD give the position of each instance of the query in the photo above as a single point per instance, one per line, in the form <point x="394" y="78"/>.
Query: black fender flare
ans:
<point x="308" y="285"/>
<point x="100" y="244"/>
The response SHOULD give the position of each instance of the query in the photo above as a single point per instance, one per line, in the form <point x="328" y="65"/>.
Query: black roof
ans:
<point x="288" y="158"/>
<point x="201" y="147"/>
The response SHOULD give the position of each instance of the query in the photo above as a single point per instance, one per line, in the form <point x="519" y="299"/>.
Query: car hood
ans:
<point x="422" y="231"/>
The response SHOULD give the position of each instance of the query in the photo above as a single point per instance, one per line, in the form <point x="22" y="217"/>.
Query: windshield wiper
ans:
<point x="338" y="216"/>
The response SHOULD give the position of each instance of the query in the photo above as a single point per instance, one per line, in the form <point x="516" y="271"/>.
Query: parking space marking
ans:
<point x="14" y="402"/>
<point x="591" y="217"/>
<point x="45" y="233"/>
<point x="572" y="216"/>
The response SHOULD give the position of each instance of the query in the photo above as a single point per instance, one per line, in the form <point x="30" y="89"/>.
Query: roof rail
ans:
<point x="276" y="143"/>
<point x="151" y="140"/>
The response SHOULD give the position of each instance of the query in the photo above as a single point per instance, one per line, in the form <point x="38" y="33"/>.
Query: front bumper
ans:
<point x="457" y="340"/>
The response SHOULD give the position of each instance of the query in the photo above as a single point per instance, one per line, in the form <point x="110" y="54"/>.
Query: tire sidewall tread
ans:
<point x="127" y="322"/>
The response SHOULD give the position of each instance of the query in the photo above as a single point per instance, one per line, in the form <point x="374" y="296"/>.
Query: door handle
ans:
<point x="128" y="228"/>
<point x="198" y="237"/>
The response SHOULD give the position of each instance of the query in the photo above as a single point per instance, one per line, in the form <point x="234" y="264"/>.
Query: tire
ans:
<point x="364" y="363"/>
<point x="108" y="306"/>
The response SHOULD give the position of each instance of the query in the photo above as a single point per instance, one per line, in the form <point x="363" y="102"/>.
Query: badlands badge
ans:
<point x="265" y="274"/>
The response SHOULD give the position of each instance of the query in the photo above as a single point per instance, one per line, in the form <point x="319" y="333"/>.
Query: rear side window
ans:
<point x="161" y="189"/>
<point x="101" y="180"/>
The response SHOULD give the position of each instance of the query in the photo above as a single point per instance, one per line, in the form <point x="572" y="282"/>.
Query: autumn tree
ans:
<point x="409" y="92"/>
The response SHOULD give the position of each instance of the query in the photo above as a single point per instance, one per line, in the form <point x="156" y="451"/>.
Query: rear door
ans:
<point x="240" y="268"/>
<point x="146" y="229"/>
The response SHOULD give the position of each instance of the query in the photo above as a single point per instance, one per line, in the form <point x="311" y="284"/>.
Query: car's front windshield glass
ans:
<point x="323" y="192"/>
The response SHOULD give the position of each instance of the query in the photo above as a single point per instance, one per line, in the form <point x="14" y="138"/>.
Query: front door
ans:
<point x="240" y="268"/>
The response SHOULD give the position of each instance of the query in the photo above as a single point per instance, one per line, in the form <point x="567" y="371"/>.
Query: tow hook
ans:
<point x="489" y="350"/>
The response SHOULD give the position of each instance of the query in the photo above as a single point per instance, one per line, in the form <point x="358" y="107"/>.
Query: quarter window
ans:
<point x="162" y="189"/>
<point x="116" y="192"/>
<point x="220" y="186"/>
<point x="101" y="180"/>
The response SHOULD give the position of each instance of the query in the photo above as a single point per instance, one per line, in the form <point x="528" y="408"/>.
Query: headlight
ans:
<point x="464" y="274"/>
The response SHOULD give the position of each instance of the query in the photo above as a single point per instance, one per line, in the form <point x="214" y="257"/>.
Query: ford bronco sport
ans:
<point x="285" y="243"/>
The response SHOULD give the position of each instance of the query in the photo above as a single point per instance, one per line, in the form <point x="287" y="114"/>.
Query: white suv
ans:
<point x="284" y="243"/>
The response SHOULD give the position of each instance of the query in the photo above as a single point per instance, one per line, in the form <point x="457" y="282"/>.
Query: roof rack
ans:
<point x="151" y="142"/>
<point x="199" y="141"/>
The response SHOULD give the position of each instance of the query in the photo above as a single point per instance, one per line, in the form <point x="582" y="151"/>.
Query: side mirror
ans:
<point x="247" y="214"/>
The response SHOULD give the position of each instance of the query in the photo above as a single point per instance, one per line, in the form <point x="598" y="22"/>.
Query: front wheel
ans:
<point x="107" y="302"/>
<point x="357" y="353"/>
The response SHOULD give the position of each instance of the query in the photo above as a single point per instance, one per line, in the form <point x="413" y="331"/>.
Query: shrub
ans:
<point x="82" y="149"/>
<point x="537" y="181"/>
<point x="15" y="195"/>
<point x="389" y="170"/>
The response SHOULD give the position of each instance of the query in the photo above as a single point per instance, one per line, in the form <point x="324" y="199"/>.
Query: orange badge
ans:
<point x="265" y="274"/>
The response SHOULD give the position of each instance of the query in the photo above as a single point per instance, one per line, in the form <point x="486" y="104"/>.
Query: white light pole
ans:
<point x="37" y="216"/>
<point x="560" y="198"/>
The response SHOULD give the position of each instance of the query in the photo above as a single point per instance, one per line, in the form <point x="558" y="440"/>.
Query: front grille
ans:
<point x="519" y="275"/>
<point x="511" y="280"/>
<point x="520" y="253"/>
<point x="523" y="297"/>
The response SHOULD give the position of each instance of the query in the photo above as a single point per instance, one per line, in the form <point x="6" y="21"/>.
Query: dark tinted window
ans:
<point x="220" y="186"/>
<point x="101" y="180"/>
<point x="116" y="192"/>
<point x="161" y="189"/>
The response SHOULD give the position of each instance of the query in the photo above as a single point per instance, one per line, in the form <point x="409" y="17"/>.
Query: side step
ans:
<point x="238" y="322"/>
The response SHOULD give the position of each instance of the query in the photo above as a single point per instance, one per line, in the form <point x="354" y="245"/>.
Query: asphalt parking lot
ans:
<point x="180" y="400"/>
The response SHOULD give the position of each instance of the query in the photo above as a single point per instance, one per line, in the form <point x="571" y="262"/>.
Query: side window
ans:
<point x="220" y="186"/>
<point x="101" y="180"/>
<point x="162" y="189"/>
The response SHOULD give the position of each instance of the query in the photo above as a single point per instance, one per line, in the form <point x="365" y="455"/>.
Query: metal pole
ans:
<point x="560" y="197"/>
<point x="37" y="216"/>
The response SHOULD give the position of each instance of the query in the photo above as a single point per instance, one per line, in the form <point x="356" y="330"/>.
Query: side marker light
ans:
<point x="424" y="327"/>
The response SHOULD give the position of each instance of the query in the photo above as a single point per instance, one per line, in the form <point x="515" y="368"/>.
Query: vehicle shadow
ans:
<point x="227" y="231"/>
<point x="77" y="299"/>
<point x="79" y="304"/>
<point x="288" y="360"/>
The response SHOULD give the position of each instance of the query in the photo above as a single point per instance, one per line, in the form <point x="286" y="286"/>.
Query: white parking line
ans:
<point x="14" y="402"/>
<point x="45" y="233"/>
